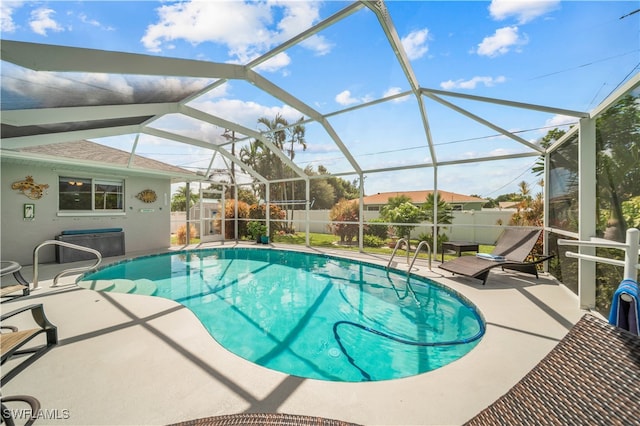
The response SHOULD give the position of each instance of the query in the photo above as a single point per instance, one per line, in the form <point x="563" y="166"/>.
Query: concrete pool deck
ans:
<point x="140" y="360"/>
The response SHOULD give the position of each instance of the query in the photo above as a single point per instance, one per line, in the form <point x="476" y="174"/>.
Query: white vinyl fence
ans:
<point x="482" y="227"/>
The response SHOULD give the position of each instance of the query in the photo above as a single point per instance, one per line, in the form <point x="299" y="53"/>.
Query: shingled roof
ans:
<point x="90" y="151"/>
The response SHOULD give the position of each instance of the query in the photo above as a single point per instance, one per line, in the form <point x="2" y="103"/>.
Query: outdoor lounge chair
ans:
<point x="510" y="252"/>
<point x="9" y="267"/>
<point x="9" y="415"/>
<point x="589" y="378"/>
<point x="12" y="343"/>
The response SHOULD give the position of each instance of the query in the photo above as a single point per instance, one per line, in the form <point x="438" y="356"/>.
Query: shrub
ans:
<point x="345" y="211"/>
<point x="229" y="214"/>
<point x="259" y="211"/>
<point x="256" y="229"/>
<point x="442" y="238"/>
<point x="372" y="241"/>
<point x="181" y="233"/>
<point x="377" y="229"/>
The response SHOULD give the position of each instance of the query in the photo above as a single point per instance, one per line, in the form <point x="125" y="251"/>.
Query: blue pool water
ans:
<point x="308" y="315"/>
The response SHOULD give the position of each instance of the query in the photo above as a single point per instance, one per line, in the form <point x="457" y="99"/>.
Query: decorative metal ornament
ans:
<point x="28" y="187"/>
<point x="147" y="196"/>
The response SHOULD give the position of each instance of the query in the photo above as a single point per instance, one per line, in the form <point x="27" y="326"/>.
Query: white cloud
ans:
<point x="415" y="43"/>
<point x="394" y="91"/>
<point x="523" y="10"/>
<point x="472" y="83"/>
<point x="560" y="121"/>
<point x="279" y="61"/>
<point x="345" y="98"/>
<point x="246" y="29"/>
<point x="298" y="16"/>
<point x="246" y="113"/>
<point x="6" y="15"/>
<point x="93" y="22"/>
<point x="501" y="42"/>
<point x="42" y="21"/>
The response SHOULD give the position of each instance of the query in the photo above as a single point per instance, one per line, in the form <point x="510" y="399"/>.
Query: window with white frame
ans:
<point x="90" y="195"/>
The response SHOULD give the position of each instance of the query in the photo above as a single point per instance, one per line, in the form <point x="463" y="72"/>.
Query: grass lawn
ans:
<point x="330" y="241"/>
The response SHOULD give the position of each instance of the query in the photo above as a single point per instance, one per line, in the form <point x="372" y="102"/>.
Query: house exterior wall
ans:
<point x="464" y="205"/>
<point x="146" y="225"/>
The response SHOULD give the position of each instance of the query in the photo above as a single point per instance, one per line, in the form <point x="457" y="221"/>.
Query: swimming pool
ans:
<point x="308" y="315"/>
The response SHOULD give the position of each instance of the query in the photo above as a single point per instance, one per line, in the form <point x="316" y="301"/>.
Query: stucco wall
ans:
<point x="143" y="230"/>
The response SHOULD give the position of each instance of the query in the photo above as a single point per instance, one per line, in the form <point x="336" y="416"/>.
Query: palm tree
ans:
<point x="296" y="136"/>
<point x="276" y="134"/>
<point x="284" y="137"/>
<point x="444" y="215"/>
<point x="179" y="199"/>
<point x="251" y="155"/>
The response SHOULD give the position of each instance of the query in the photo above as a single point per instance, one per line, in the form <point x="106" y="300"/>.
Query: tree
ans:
<point x="259" y="157"/>
<point x="179" y="199"/>
<point x="392" y="203"/>
<point x="342" y="188"/>
<point x="617" y="161"/>
<point x="322" y="194"/>
<point x="444" y="216"/>
<point x="530" y="210"/>
<point x="295" y="136"/>
<point x="548" y="140"/>
<point x="406" y="212"/>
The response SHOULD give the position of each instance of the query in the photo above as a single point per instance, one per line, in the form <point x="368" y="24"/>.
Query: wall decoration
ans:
<point x="147" y="196"/>
<point x="28" y="187"/>
<point x="29" y="212"/>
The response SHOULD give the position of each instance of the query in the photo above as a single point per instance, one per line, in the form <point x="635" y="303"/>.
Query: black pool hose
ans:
<point x="367" y="376"/>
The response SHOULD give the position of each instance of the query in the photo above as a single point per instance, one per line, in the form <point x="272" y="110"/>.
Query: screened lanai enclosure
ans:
<point x="361" y="110"/>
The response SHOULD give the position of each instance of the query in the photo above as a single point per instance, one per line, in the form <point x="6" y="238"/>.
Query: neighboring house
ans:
<point x="509" y="204"/>
<point x="83" y="185"/>
<point x="458" y="202"/>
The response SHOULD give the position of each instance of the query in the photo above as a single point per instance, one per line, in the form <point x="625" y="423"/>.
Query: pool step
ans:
<point x="141" y="286"/>
<point x="145" y="286"/>
<point x="97" y="285"/>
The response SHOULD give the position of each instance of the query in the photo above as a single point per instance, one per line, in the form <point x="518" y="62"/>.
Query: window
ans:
<point x="90" y="195"/>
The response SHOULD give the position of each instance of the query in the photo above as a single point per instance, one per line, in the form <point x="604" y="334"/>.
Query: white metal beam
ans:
<point x="587" y="180"/>
<point x="615" y="96"/>
<point x="196" y="142"/>
<point x="297" y="104"/>
<point x="504" y="102"/>
<point x="481" y="120"/>
<point x="209" y="118"/>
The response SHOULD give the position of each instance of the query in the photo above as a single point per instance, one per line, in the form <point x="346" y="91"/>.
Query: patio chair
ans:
<point x="9" y="267"/>
<point x="590" y="377"/>
<point x="31" y="414"/>
<point x="15" y="342"/>
<point x="510" y="252"/>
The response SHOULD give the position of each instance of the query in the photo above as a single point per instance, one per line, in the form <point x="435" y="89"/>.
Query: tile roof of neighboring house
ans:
<point x="508" y="204"/>
<point x="419" y="197"/>
<point x="91" y="151"/>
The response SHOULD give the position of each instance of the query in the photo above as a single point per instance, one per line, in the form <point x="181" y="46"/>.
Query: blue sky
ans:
<point x="568" y="54"/>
